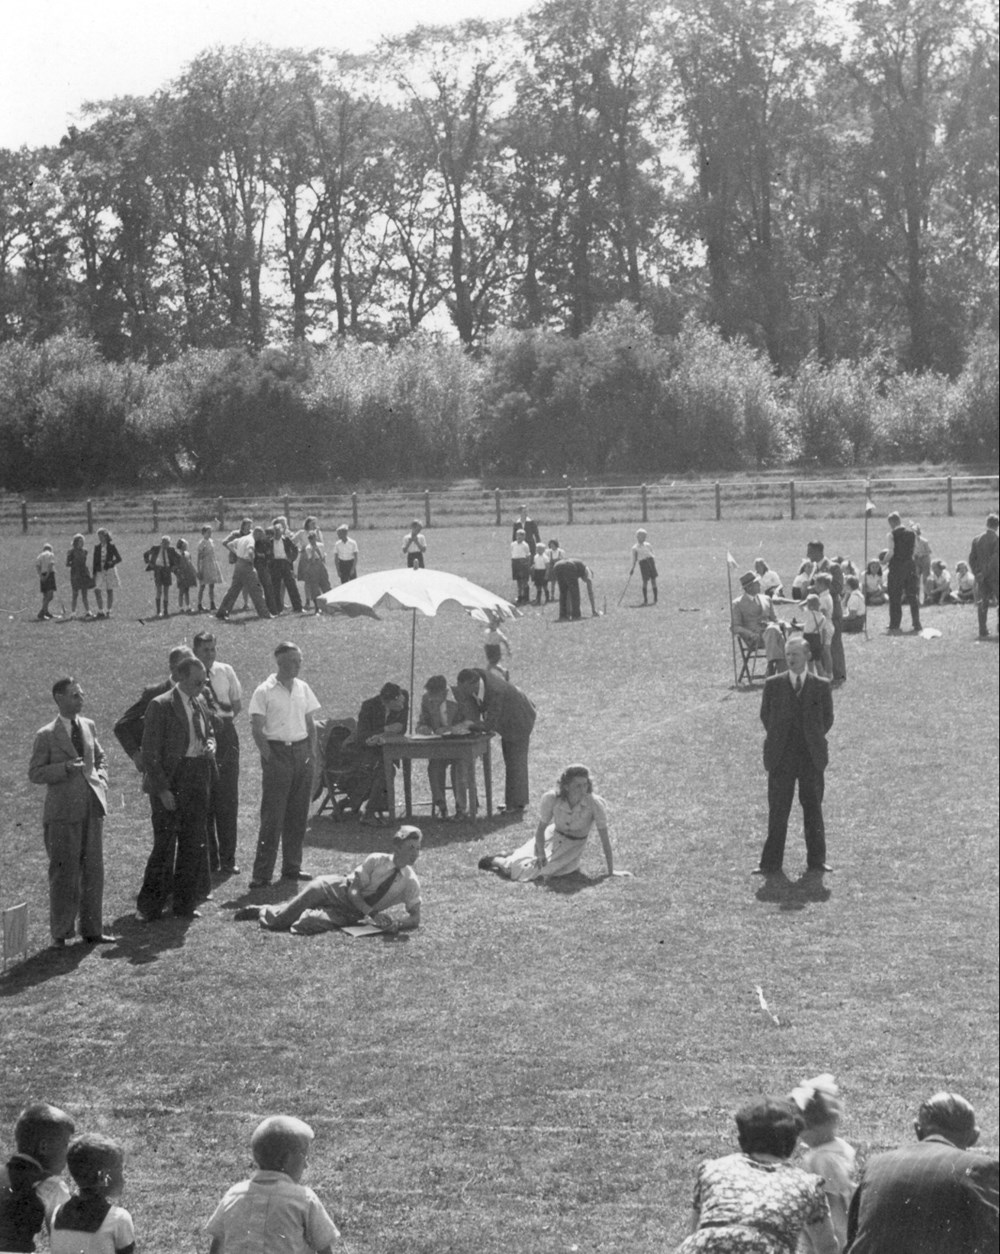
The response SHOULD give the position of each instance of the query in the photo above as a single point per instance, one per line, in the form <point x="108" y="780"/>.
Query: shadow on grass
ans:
<point x="568" y="885"/>
<point x="140" y="943"/>
<point x="47" y="964"/>
<point x="793" y="894"/>
<point x="348" y="836"/>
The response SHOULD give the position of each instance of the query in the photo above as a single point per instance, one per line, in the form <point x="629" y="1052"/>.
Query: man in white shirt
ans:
<point x="223" y="695"/>
<point x="245" y="579"/>
<point x="281" y="720"/>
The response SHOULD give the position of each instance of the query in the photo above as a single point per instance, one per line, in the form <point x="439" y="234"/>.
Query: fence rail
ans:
<point x="443" y="506"/>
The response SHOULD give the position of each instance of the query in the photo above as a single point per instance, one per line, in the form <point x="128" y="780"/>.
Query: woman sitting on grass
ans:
<point x="874" y="585"/>
<point x="756" y="1202"/>
<point x="568" y="813"/>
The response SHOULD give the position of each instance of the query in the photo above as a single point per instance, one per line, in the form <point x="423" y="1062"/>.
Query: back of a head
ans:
<point x="769" y="1125"/>
<point x="92" y="1159"/>
<point x="37" y="1125"/>
<point x="949" y="1115"/>
<point x="276" y="1139"/>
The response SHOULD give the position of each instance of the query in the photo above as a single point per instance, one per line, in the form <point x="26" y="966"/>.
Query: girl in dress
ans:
<point x="874" y="589"/>
<point x="555" y="554"/>
<point x="828" y="1155"/>
<point x="187" y="577"/>
<point x="209" y="572"/>
<point x="106" y="560"/>
<point x="91" y="1222"/>
<point x="567" y="815"/>
<point x="313" y="572"/>
<point x="80" y="578"/>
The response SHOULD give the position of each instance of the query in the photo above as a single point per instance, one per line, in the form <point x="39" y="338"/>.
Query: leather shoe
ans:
<point x="187" y="914"/>
<point x="103" y="939"/>
<point x="247" y="912"/>
<point x="229" y="870"/>
<point x="304" y="876"/>
<point x="819" y="870"/>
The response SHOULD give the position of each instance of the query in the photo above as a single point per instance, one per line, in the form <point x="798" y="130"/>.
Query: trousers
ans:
<point x="76" y="874"/>
<point x="178" y="862"/>
<point x="286" y="791"/>
<point x="795" y="767"/>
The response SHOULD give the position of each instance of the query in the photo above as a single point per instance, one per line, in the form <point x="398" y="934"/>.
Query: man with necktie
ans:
<point x="224" y="697"/>
<point x="68" y="759"/>
<point x="383" y="880"/>
<point x="797" y="713"/>
<point x="178" y="757"/>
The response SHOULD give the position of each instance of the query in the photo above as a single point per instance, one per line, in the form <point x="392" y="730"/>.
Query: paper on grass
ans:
<point x="362" y="929"/>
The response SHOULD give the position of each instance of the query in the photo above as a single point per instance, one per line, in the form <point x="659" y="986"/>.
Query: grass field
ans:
<point x="534" y="1069"/>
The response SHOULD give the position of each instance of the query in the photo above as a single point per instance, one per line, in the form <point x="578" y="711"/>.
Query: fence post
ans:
<point x="220" y="513"/>
<point x="951" y="510"/>
<point x="427" y="507"/>
<point x="791" y="499"/>
<point x="496" y="497"/>
<point x="24" y="517"/>
<point x="90" y="517"/>
<point x="645" y="513"/>
<point x="718" y="501"/>
<point x="288" y="507"/>
<point x="156" y="514"/>
<point x="569" y="504"/>
<point x="354" y="510"/>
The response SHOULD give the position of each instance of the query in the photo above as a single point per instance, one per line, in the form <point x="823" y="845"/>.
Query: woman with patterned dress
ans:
<point x="756" y="1202"/>
<point x="567" y="815"/>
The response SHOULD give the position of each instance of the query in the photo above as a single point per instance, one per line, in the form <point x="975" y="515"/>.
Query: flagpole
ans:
<point x="413" y="657"/>
<point x="869" y="510"/>
<point x="732" y="617"/>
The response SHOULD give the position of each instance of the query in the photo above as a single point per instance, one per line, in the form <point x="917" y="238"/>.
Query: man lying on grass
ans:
<point x="327" y="902"/>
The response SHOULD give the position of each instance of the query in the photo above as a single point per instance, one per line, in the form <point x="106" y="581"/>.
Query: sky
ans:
<point x="56" y="54"/>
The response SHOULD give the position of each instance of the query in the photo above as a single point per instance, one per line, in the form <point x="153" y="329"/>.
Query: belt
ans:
<point x="289" y="744"/>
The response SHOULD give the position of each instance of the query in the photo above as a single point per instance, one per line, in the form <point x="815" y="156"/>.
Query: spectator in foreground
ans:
<point x="829" y="1155"/>
<point x="933" y="1197"/>
<point x="755" y="1201"/>
<point x="91" y="1222"/>
<point x="31" y="1183"/>
<point x="273" y="1210"/>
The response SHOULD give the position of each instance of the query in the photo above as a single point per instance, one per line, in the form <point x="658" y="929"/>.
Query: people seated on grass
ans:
<point x="31" y="1183"/>
<point x="855" y="610"/>
<point x="379" y="716"/>
<point x="328" y="902"/>
<point x="92" y="1222"/>
<point x="567" y="815"/>
<point x="874" y="584"/>
<point x="827" y="1155"/>
<point x="769" y="580"/>
<point x="273" y="1210"/>
<point x="756" y="624"/>
<point x="965" y="584"/>
<point x="938" y="588"/>
<point x="440" y="715"/>
<point x="756" y="1201"/>
<point x="802" y="581"/>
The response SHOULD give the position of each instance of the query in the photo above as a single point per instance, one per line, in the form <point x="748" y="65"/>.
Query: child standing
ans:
<point x="520" y="566"/>
<point x="555" y="554"/>
<point x="540" y="573"/>
<point x="187" y="577"/>
<point x="161" y="560"/>
<point x="495" y="644"/>
<point x="345" y="555"/>
<point x="313" y="572"/>
<point x="272" y="1210"/>
<point x="91" y="1222"/>
<point x="209" y="572"/>
<point x="642" y="553"/>
<point x="817" y="631"/>
<point x="31" y="1183"/>
<point x="45" y="564"/>
<point x="80" y="578"/>
<point x="106" y="562"/>
<point x="828" y="1155"/>
<point x="415" y="545"/>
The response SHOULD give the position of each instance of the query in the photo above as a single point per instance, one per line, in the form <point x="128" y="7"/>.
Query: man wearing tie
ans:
<point x="797" y="713"/>
<point x="69" y="760"/>
<point x="178" y="757"/>
<point x="224" y="697"/>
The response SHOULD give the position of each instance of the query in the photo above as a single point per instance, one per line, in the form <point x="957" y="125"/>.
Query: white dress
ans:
<point x="565" y="838"/>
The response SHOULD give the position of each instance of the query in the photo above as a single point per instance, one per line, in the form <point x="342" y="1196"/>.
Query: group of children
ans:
<point x="533" y="566"/>
<point x="940" y="587"/>
<point x="271" y="1210"/>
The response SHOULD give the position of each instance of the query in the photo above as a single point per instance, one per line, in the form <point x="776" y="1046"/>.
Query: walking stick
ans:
<point x="627" y="582"/>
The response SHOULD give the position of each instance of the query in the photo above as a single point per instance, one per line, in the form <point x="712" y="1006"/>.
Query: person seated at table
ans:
<point x="755" y="621"/>
<point x="440" y="715"/>
<point x="938" y="589"/>
<point x="367" y="895"/>
<point x="965" y="584"/>
<point x="566" y="817"/>
<point x="874" y="584"/>
<point x="801" y="582"/>
<point x="380" y="716"/>
<point x="854" y="606"/>
<point x="769" y="580"/>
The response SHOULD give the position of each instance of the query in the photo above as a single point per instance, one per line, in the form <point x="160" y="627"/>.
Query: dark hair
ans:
<point x="90" y="1156"/>
<point x="286" y="646"/>
<point x="436" y="683"/>
<point x="816" y="545"/>
<point x="62" y="686"/>
<point x="390" y="691"/>
<point x="203" y="637"/>
<point x="35" y="1124"/>
<point x="948" y="1113"/>
<point x="185" y="666"/>
<point x="769" y="1125"/>
<point x="468" y="676"/>
<point x="993" y="520"/>
<point x="577" y="771"/>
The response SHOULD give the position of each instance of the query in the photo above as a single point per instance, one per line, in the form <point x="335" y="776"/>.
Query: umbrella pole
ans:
<point x="413" y="654"/>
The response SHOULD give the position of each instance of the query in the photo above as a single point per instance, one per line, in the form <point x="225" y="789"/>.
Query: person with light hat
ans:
<point x="754" y="620"/>
<point x="345" y="554"/>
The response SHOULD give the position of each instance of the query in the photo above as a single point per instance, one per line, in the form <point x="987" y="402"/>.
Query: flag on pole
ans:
<point x="731" y="560"/>
<point x="869" y="507"/>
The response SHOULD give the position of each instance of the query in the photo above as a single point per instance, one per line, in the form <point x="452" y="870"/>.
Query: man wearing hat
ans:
<point x="383" y="880"/>
<point x="755" y="621"/>
<point x="345" y="555"/>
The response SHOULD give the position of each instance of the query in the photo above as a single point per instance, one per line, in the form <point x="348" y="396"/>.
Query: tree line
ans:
<point x="815" y="182"/>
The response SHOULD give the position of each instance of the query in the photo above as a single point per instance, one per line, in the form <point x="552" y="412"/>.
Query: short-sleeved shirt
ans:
<point x="409" y="540"/>
<point x="226" y="688"/>
<point x="115" y="1233"/>
<point x="245" y="547"/>
<point x="520" y="549"/>
<point x="45" y="562"/>
<point x="376" y="868"/>
<point x="642" y="552"/>
<point x="284" y="711"/>
<point x="271" y="1212"/>
<point x="345" y="550"/>
<point x="575" y="820"/>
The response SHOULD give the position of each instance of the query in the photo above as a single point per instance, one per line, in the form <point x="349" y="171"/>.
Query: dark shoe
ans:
<point x="819" y="870"/>
<point x="260" y="883"/>
<point x="100" y="940"/>
<point x="489" y="863"/>
<point x="150" y="916"/>
<point x="221" y="617"/>
<point x="58" y="943"/>
<point x="231" y="869"/>
<point x="304" y="876"/>
<point x="247" y="912"/>
<point x="187" y="914"/>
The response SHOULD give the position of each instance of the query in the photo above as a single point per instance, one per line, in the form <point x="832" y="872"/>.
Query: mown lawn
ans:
<point x="534" y="1070"/>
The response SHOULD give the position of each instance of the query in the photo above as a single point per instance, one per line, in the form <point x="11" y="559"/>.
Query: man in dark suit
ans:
<point x="384" y="715"/>
<point x="68" y="759"/>
<point x="903" y="584"/>
<point x="797" y="713"/>
<point x="984" y="562"/>
<point x="178" y="756"/>
<point x="129" y="728"/>
<point x="933" y="1197"/>
<point x="487" y="700"/>
<point x="527" y="524"/>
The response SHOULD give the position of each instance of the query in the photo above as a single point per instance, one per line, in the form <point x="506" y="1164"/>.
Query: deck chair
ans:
<point x="334" y="767"/>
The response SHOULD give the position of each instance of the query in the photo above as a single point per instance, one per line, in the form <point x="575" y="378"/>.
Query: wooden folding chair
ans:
<point x="753" y="662"/>
<point x="333" y="766"/>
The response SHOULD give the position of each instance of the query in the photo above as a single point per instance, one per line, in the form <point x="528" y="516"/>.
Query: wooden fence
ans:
<point x="464" y="505"/>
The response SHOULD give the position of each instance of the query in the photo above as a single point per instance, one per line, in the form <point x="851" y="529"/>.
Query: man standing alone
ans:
<point x="281" y="718"/>
<point x="984" y="562"/>
<point x="797" y="713"/>
<point x="903" y="584"/>
<point x="68" y="759"/>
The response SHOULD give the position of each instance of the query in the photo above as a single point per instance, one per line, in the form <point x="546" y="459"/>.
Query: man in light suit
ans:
<point x="933" y="1197"/>
<point x="487" y="700"/>
<point x="178" y="757"/>
<point x="797" y="713"/>
<point x="68" y="759"/>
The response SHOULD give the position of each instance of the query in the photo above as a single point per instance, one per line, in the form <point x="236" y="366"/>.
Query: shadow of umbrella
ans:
<point x="422" y="591"/>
